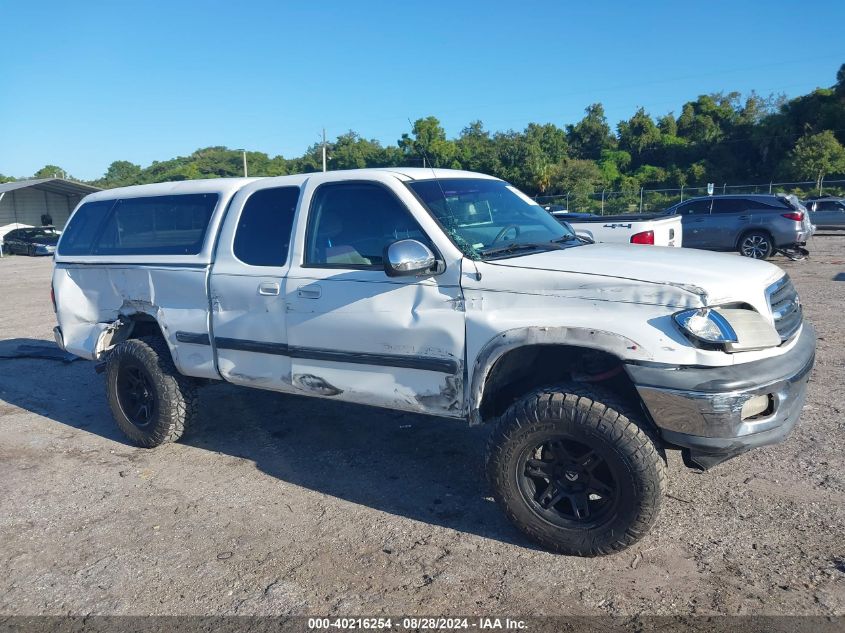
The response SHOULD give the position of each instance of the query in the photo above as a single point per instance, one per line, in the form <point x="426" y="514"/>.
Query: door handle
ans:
<point x="745" y="217"/>
<point x="310" y="292"/>
<point x="268" y="288"/>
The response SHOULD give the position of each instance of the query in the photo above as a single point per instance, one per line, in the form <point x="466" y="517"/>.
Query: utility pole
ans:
<point x="243" y="153"/>
<point x="324" y="149"/>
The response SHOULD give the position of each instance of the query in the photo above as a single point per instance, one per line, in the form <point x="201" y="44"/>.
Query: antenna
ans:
<point x="324" y="149"/>
<point x="442" y="193"/>
<point x="433" y="173"/>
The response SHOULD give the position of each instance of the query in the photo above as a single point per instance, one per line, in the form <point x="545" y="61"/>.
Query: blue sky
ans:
<point x="85" y="83"/>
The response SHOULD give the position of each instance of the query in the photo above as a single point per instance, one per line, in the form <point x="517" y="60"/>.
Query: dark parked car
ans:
<point x="754" y="225"/>
<point x="827" y="212"/>
<point x="40" y="240"/>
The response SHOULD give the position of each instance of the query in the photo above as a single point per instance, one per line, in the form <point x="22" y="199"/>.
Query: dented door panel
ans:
<point x="249" y="329"/>
<point x="400" y="341"/>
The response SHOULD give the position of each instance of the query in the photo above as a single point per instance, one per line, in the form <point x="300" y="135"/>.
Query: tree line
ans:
<point x="715" y="138"/>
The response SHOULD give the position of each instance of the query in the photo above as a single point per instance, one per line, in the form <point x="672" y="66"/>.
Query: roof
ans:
<point x="425" y="173"/>
<point x="53" y="185"/>
<point x="222" y="186"/>
<point x="226" y="186"/>
<point x="753" y="196"/>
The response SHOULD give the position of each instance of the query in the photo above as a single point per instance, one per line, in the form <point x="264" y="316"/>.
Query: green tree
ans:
<point x="639" y="136"/>
<point x="817" y="155"/>
<point x="350" y="151"/>
<point x="428" y="139"/>
<point x="120" y="174"/>
<point x="50" y="171"/>
<point x="613" y="165"/>
<point x="579" y="178"/>
<point x="476" y="150"/>
<point x="591" y="134"/>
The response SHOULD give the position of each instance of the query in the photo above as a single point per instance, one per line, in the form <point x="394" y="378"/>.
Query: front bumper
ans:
<point x="699" y="409"/>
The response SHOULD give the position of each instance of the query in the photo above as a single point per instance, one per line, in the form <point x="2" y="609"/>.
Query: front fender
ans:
<point x="587" y="338"/>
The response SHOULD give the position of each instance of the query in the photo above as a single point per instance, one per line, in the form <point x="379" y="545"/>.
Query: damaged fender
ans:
<point x="503" y="343"/>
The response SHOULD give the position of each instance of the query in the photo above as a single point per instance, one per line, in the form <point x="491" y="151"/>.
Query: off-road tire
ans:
<point x="756" y="245"/>
<point x="175" y="395"/>
<point x="606" y="425"/>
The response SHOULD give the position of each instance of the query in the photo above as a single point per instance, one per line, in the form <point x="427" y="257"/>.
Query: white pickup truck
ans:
<point x="635" y="228"/>
<point x="446" y="293"/>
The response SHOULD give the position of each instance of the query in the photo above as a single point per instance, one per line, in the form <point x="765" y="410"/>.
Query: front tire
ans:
<point x="151" y="401"/>
<point x="756" y="245"/>
<point x="574" y="472"/>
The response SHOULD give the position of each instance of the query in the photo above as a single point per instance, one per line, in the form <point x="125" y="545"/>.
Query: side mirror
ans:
<point x="585" y="236"/>
<point x="407" y="257"/>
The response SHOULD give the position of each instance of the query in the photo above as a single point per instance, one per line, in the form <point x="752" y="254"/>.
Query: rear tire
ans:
<point x="574" y="472"/>
<point x="756" y="245"/>
<point x="151" y="401"/>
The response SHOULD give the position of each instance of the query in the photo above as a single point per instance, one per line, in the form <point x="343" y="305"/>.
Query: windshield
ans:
<point x="490" y="218"/>
<point x="43" y="236"/>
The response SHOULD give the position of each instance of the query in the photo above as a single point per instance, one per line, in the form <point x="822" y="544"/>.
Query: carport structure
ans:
<point x="25" y="201"/>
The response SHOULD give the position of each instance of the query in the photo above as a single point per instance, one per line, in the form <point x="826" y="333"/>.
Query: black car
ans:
<point x="31" y="241"/>
<point x="827" y="212"/>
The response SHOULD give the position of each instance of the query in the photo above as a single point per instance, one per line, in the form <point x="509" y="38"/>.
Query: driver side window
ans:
<point x="350" y="225"/>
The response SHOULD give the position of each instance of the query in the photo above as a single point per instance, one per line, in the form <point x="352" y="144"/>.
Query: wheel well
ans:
<point x="750" y="231"/>
<point x="143" y="325"/>
<point x="524" y="369"/>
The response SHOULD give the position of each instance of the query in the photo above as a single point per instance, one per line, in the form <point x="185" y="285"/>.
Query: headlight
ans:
<point x="734" y="329"/>
<point x="706" y="325"/>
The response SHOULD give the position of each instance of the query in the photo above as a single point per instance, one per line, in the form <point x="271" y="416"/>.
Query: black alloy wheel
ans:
<point x="568" y="483"/>
<point x="136" y="394"/>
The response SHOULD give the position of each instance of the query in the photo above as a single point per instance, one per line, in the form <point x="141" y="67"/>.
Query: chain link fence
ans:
<point x="603" y="202"/>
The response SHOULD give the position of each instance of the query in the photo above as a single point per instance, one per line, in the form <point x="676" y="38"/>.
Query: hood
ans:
<point x="652" y="274"/>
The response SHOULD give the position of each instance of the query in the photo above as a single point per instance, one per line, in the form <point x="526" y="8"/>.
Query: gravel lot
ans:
<point x="280" y="504"/>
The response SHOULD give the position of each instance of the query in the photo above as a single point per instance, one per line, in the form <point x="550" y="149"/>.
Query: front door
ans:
<point x="695" y="219"/>
<point x="356" y="334"/>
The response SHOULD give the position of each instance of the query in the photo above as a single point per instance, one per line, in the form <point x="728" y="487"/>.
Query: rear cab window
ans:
<point x="153" y="225"/>
<point x="78" y="236"/>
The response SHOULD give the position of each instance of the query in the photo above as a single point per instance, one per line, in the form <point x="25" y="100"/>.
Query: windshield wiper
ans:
<point x="566" y="238"/>
<point x="514" y="247"/>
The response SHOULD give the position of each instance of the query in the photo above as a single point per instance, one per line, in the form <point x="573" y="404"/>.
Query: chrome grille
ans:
<point x="786" y="307"/>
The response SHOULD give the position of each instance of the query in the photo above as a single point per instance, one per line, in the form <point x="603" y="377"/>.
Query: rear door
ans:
<point x="695" y="217"/>
<point x="731" y="217"/>
<point x="248" y="318"/>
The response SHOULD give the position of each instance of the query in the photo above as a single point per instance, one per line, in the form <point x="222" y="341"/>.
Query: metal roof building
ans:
<point x="25" y="201"/>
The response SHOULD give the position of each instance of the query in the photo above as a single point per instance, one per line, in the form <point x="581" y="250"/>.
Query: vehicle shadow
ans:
<point x="425" y="468"/>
